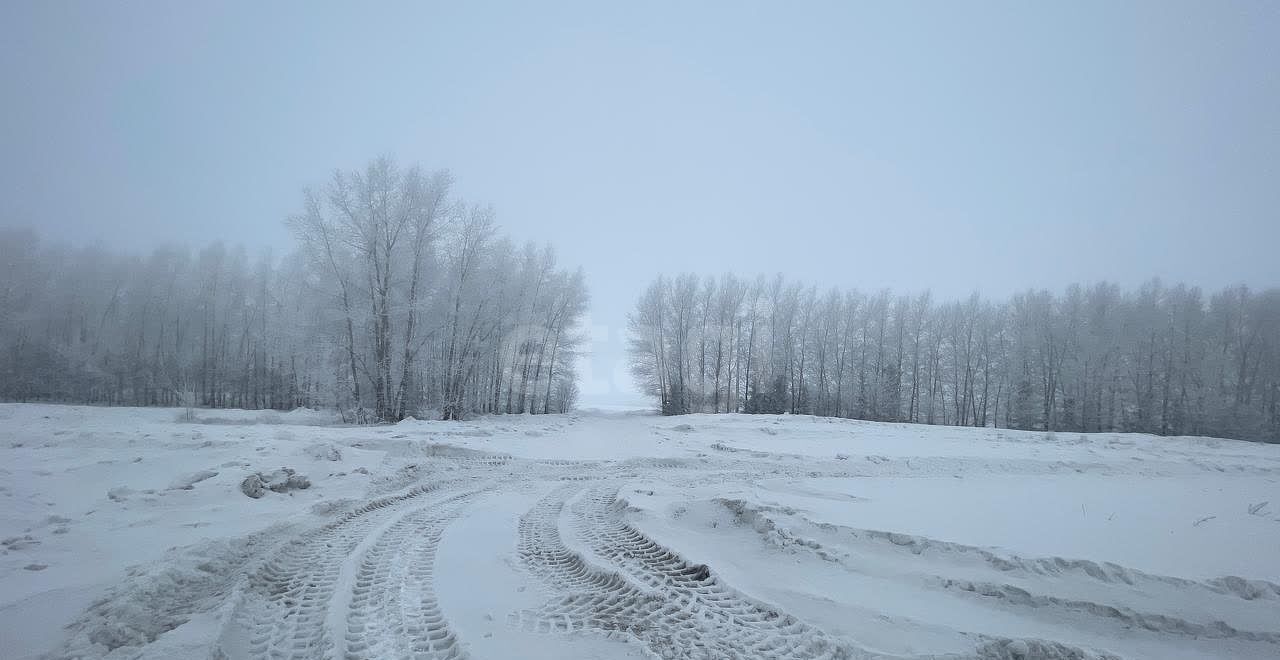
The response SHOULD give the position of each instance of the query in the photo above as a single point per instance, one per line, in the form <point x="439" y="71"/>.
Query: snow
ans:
<point x="614" y="534"/>
<point x="1082" y="515"/>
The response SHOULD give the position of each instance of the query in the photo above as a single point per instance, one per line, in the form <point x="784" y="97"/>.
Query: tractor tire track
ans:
<point x="316" y="597"/>
<point x="677" y="609"/>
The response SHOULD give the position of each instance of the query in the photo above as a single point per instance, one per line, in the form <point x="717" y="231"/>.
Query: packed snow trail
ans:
<point x="633" y="536"/>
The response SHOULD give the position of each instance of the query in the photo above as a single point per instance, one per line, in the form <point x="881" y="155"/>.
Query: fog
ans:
<point x="993" y="148"/>
<point x="684" y="330"/>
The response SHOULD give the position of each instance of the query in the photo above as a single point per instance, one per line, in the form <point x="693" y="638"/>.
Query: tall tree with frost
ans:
<point x="1158" y="360"/>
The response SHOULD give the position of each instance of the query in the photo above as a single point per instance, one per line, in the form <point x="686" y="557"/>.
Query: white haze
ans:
<point x="611" y="330"/>
<point x="944" y="149"/>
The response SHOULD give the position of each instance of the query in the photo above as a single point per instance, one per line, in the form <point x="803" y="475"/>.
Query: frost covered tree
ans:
<point x="428" y="305"/>
<point x="1165" y="360"/>
<point x="399" y="300"/>
<point x="371" y="231"/>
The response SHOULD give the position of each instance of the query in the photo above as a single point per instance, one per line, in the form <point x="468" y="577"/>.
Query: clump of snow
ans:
<point x="282" y="480"/>
<point x="253" y="486"/>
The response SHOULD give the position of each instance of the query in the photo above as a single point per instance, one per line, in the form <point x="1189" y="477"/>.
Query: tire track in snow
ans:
<point x="678" y="609"/>
<point x="392" y="609"/>
<point x="298" y="604"/>
<point x="840" y="544"/>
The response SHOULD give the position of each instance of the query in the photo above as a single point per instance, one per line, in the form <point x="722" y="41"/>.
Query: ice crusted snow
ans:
<point x="124" y="533"/>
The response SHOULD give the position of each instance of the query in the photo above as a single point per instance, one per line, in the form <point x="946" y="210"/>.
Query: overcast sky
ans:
<point x="956" y="146"/>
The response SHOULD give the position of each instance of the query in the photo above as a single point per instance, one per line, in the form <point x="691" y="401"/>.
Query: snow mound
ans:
<point x="120" y="493"/>
<point x="282" y="480"/>
<point x="322" y="451"/>
<point x="298" y="417"/>
<point x="331" y="507"/>
<point x="189" y="481"/>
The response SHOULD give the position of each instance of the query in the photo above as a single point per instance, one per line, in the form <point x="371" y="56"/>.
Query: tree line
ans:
<point x="1169" y="360"/>
<point x="399" y="300"/>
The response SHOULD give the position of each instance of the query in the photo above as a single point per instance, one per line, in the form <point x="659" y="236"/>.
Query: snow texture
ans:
<point x="126" y="533"/>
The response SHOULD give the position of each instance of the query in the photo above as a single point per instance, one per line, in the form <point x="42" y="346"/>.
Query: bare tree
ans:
<point x="1158" y="359"/>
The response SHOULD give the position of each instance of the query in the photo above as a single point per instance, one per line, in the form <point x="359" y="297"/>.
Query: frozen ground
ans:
<point x="613" y="535"/>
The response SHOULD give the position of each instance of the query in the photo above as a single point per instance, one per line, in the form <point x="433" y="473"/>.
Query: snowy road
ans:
<point x="626" y="536"/>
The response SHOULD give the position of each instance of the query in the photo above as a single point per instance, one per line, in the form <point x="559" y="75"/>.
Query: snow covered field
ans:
<point x="615" y="535"/>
